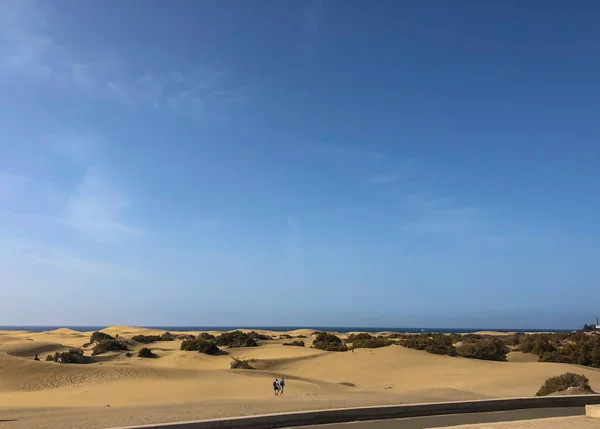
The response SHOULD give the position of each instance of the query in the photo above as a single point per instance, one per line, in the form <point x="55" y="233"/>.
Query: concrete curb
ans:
<point x="303" y="418"/>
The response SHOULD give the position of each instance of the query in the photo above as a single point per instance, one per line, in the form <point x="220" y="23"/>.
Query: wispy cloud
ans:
<point x="91" y="204"/>
<point x="30" y="51"/>
<point x="96" y="208"/>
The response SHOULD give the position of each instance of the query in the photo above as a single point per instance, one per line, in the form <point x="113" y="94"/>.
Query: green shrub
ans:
<point x="206" y="336"/>
<point x="439" y="344"/>
<point x="575" y="348"/>
<point x="185" y="337"/>
<point x="561" y="383"/>
<point x="146" y="353"/>
<point x="200" y="345"/>
<point x="50" y="358"/>
<point x="104" y="346"/>
<point x="167" y="337"/>
<point x="441" y="349"/>
<point x="371" y="343"/>
<point x="329" y="342"/>
<point x="285" y="337"/>
<point x="238" y="363"/>
<point x="147" y="339"/>
<point x="100" y="336"/>
<point x="295" y="343"/>
<point x="485" y="349"/>
<point x="72" y="356"/>
<point x="358" y="337"/>
<point x="258" y="336"/>
<point x="301" y="336"/>
<point x="235" y="339"/>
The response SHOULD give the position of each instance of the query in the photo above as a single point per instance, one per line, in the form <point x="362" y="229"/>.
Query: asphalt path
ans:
<point x="457" y="419"/>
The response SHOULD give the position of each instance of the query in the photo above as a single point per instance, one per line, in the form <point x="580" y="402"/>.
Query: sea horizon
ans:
<point x="340" y="329"/>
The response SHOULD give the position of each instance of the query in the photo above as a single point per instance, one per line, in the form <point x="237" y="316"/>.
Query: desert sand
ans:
<point x="116" y="390"/>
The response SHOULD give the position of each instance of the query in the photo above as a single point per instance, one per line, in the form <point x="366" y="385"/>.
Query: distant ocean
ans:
<point x="341" y="329"/>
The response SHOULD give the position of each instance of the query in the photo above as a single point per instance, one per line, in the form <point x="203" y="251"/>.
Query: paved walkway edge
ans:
<point x="303" y="418"/>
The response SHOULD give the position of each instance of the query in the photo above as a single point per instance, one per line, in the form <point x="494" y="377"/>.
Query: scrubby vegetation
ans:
<point x="371" y="343"/>
<point x="72" y="356"/>
<point x="108" y="345"/>
<point x="438" y="344"/>
<point x="285" y="337"/>
<point x="146" y="353"/>
<point x="470" y="346"/>
<point x="258" y="336"/>
<point x="238" y="363"/>
<point x="147" y="339"/>
<point x="485" y="349"/>
<point x="206" y="336"/>
<point x="367" y="341"/>
<point x="235" y="339"/>
<point x="98" y="336"/>
<point x="563" y="382"/>
<point x="576" y="348"/>
<point x="295" y="343"/>
<point x="358" y="337"/>
<point x="329" y="342"/>
<point x="301" y="336"/>
<point x="200" y="345"/>
<point x="185" y="337"/>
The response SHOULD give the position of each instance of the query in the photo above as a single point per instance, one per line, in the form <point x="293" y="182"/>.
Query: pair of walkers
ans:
<point x="278" y="386"/>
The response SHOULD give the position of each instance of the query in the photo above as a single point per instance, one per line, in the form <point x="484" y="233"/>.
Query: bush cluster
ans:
<point x="146" y="353"/>
<point x="329" y="342"/>
<point x="206" y="336"/>
<point x="371" y="343"/>
<point x="576" y="348"/>
<point x="258" y="336"/>
<point x="200" y="345"/>
<point x="72" y="356"/>
<point x="563" y="382"/>
<point x="235" y="339"/>
<point x="147" y="339"/>
<point x="295" y="343"/>
<point x="285" y="337"/>
<point x="238" y="363"/>
<point x="485" y="349"/>
<point x="367" y="341"/>
<point x="99" y="336"/>
<point x="108" y="345"/>
<point x="438" y="344"/>
<point x="358" y="337"/>
<point x="472" y="346"/>
<point x="185" y="337"/>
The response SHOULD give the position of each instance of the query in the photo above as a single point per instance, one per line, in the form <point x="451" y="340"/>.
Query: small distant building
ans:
<point x="597" y="325"/>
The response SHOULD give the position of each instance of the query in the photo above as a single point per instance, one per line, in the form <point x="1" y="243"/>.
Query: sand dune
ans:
<point x="197" y="385"/>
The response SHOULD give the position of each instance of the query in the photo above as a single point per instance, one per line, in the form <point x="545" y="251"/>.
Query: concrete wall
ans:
<point x="270" y="421"/>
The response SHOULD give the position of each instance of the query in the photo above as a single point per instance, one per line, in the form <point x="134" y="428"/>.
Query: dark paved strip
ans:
<point x="457" y="419"/>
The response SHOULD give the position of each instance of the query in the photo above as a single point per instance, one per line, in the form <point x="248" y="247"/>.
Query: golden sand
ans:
<point x="116" y="390"/>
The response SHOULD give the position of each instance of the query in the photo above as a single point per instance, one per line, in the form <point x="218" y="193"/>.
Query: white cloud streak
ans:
<point x="96" y="209"/>
<point x="30" y="51"/>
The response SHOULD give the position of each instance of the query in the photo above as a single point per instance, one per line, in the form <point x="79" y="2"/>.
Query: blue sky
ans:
<point x="300" y="163"/>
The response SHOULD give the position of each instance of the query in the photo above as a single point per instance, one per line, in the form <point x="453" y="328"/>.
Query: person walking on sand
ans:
<point x="36" y="357"/>
<point x="282" y="384"/>
<point x="276" y="387"/>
